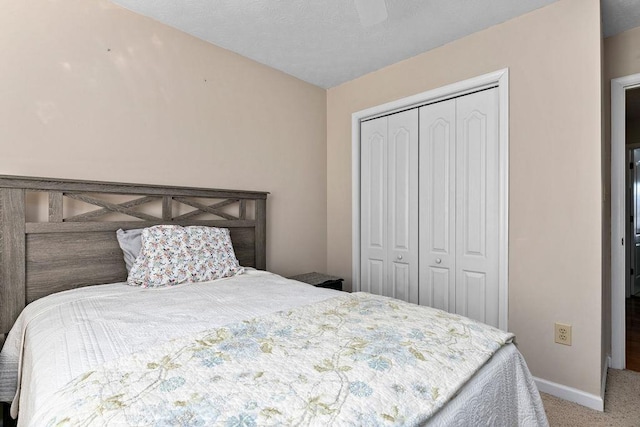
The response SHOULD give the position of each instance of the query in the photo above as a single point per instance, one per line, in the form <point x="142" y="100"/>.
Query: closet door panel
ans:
<point x="437" y="204"/>
<point x="440" y="280"/>
<point x="400" y="281"/>
<point x="477" y="188"/>
<point x="373" y="218"/>
<point x="403" y="205"/>
<point x="375" y="277"/>
<point x="474" y="291"/>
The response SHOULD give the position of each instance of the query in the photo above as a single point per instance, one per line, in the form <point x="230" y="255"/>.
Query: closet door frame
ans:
<point x="498" y="79"/>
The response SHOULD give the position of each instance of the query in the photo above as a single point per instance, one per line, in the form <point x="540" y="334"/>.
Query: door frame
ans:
<point x="498" y="79"/>
<point x="619" y="87"/>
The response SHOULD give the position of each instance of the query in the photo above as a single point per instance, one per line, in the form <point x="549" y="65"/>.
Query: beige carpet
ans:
<point x="621" y="405"/>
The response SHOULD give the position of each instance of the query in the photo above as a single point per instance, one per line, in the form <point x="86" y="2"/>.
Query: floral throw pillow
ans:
<point x="172" y="254"/>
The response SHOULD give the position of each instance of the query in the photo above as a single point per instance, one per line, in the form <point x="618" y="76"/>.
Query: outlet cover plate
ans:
<point x="563" y="334"/>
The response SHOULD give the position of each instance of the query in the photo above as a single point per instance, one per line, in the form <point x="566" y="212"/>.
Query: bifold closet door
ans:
<point x="438" y="205"/>
<point x="477" y="206"/>
<point x="389" y="206"/>
<point x="459" y="206"/>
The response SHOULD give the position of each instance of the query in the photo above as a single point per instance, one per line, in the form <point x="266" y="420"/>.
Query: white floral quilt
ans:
<point x="357" y="359"/>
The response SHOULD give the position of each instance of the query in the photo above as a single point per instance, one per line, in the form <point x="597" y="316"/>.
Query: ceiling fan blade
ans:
<point x="371" y="12"/>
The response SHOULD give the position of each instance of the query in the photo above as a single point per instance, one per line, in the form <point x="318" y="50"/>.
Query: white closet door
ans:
<point x="435" y="243"/>
<point x="403" y="205"/>
<point x="373" y="193"/>
<point x="437" y="205"/>
<point x="477" y="206"/>
<point x="459" y="206"/>
<point x="389" y="206"/>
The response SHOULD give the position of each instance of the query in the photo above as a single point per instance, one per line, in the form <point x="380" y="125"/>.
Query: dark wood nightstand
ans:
<point x="320" y="280"/>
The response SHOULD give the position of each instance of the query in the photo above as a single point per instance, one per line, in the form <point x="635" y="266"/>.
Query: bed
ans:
<point x="253" y="348"/>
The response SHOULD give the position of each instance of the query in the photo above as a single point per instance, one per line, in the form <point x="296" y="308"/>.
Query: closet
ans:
<point x="389" y="206"/>
<point x="429" y="208"/>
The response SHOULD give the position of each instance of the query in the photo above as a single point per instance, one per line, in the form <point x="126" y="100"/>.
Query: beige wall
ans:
<point x="621" y="58"/>
<point x="622" y="54"/>
<point x="89" y="90"/>
<point x="555" y="258"/>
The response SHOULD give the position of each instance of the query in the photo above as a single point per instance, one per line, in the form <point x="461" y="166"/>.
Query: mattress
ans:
<point x="58" y="338"/>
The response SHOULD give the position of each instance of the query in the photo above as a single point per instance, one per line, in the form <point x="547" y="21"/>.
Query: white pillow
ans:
<point x="172" y="254"/>
<point x="130" y="243"/>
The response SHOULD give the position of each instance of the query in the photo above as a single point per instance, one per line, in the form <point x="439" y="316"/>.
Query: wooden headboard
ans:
<point x="66" y="250"/>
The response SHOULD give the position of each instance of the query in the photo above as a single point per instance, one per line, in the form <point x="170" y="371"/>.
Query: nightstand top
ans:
<point x="315" y="278"/>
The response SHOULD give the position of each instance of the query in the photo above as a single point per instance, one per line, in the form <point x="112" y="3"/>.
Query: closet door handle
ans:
<point x="438" y="260"/>
<point x="399" y="256"/>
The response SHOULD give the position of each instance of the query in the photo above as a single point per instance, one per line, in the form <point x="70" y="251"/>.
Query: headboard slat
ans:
<point x="167" y="208"/>
<point x="123" y="208"/>
<point x="89" y="226"/>
<point x="12" y="256"/>
<point x="261" y="234"/>
<point x="55" y="206"/>
<point x="77" y="186"/>
<point x="97" y="259"/>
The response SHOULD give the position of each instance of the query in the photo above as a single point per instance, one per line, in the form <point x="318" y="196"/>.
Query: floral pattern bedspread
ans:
<point x="356" y="359"/>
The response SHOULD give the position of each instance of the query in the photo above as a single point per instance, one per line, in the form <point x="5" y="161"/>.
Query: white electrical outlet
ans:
<point x="563" y="334"/>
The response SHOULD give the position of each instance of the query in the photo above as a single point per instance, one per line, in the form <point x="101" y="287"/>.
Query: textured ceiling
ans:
<point x="619" y="16"/>
<point x="323" y="42"/>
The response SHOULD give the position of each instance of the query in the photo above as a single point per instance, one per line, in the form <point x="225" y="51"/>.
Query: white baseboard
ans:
<point x="571" y="394"/>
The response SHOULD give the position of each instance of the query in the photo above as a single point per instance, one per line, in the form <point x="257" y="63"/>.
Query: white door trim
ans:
<point x="618" y="214"/>
<point x="499" y="79"/>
